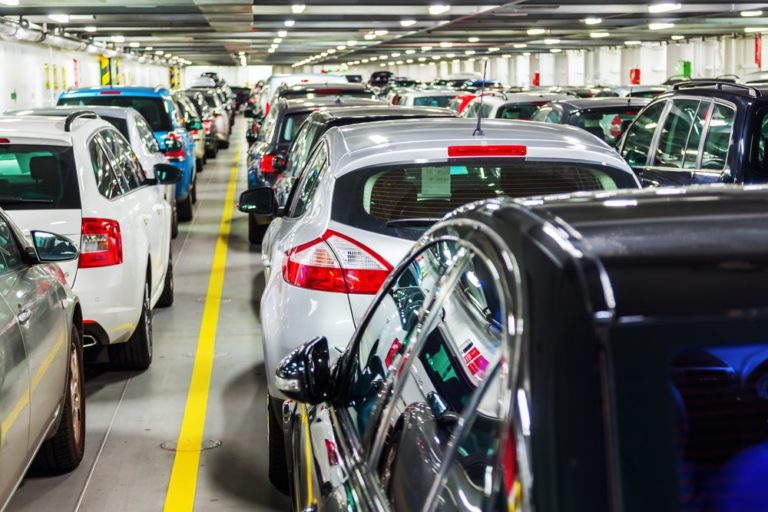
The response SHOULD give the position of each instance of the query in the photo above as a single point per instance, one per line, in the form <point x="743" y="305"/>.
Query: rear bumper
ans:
<point x="111" y="303"/>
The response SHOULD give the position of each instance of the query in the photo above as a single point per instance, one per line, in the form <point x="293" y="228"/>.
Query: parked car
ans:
<point x="208" y="117"/>
<point x="473" y="86"/>
<point x="451" y="83"/>
<point x="194" y="124"/>
<point x="425" y="98"/>
<point x="355" y="79"/>
<point x="273" y="83"/>
<point x="136" y="131"/>
<point x="605" y="118"/>
<point x="315" y="90"/>
<point x="379" y="79"/>
<point x="79" y="178"/>
<point x="369" y="190"/>
<point x="322" y="120"/>
<point x="700" y="132"/>
<point x="159" y="109"/>
<point x="268" y="150"/>
<point x="501" y="105"/>
<point x="242" y="95"/>
<point x="593" y="352"/>
<point x="220" y="115"/>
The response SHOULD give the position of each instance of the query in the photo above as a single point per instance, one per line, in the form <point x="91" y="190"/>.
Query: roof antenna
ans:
<point x="479" y="128"/>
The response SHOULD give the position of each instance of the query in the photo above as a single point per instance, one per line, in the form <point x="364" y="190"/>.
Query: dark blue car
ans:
<point x="163" y="115"/>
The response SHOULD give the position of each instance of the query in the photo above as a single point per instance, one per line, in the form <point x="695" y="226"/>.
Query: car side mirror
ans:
<point x="259" y="201"/>
<point x="52" y="248"/>
<point x="250" y="113"/>
<point x="166" y="174"/>
<point x="304" y="375"/>
<point x="194" y="125"/>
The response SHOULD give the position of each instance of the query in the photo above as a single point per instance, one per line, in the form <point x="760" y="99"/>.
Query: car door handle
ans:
<point x="24" y="316"/>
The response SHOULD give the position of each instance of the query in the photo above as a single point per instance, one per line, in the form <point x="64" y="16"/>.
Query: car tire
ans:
<point x="278" y="467"/>
<point x="136" y="353"/>
<point x="223" y="144"/>
<point x="166" y="299"/>
<point x="211" y="153"/>
<point x="193" y="190"/>
<point x="174" y="221"/>
<point x="185" y="209"/>
<point x="388" y="461"/>
<point x="199" y="165"/>
<point x="64" y="451"/>
<point x="256" y="231"/>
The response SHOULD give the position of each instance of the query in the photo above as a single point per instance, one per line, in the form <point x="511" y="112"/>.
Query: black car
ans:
<point x="316" y="90"/>
<point x="380" y="78"/>
<point x="242" y="95"/>
<point x="324" y="119"/>
<point x="605" y="118"/>
<point x="701" y="132"/>
<point x="207" y="114"/>
<point x="581" y="353"/>
<point x="268" y="149"/>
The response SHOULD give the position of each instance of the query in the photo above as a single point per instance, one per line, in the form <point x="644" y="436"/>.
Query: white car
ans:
<point x="499" y="105"/>
<point x="273" y="83"/>
<point x="78" y="177"/>
<point x="426" y="98"/>
<point x="369" y="190"/>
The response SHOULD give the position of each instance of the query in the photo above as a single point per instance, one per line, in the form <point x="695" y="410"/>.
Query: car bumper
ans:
<point x="182" y="187"/>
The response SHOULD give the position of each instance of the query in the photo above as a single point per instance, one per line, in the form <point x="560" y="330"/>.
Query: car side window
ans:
<point x="145" y="132"/>
<point x="126" y="163"/>
<point x="10" y="253"/>
<point x="717" y="141"/>
<point x="639" y="137"/>
<point x="542" y="115"/>
<point x="673" y="138"/>
<point x="310" y="181"/>
<point x="107" y="180"/>
<point x="691" y="160"/>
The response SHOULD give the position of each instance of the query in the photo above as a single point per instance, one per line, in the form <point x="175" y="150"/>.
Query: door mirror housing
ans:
<point x="52" y="248"/>
<point x="305" y="374"/>
<point x="166" y="174"/>
<point x="194" y="126"/>
<point x="259" y="201"/>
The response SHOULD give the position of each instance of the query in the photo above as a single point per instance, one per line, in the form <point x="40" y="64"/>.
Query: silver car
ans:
<point x="42" y="408"/>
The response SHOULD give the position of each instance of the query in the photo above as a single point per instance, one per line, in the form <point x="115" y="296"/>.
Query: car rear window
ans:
<point x="38" y="177"/>
<point x="522" y="111"/>
<point x="329" y="91"/>
<point x="152" y="108"/>
<point x="692" y="415"/>
<point x="606" y="124"/>
<point x="404" y="200"/>
<point x="120" y="125"/>
<point x="432" y="101"/>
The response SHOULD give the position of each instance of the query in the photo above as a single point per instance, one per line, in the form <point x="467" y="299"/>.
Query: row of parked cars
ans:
<point x="89" y="192"/>
<point x="490" y="314"/>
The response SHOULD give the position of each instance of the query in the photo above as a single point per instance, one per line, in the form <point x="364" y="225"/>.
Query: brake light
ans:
<point x="509" y="469"/>
<point x="207" y="125"/>
<point x="335" y="263"/>
<point x="174" y="147"/>
<point x="109" y="92"/>
<point x="485" y="151"/>
<point x="101" y="243"/>
<point x="5" y="141"/>
<point x="333" y="456"/>
<point x="267" y="164"/>
<point x="266" y="109"/>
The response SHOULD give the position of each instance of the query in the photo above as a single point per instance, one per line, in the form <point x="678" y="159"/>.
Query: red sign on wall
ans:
<point x="759" y="51"/>
<point x="536" y="79"/>
<point x="634" y="76"/>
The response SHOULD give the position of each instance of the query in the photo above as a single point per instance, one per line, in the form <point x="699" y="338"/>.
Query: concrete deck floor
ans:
<point x="129" y="415"/>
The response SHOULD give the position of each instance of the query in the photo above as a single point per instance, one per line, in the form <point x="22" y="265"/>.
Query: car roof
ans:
<point x="303" y="104"/>
<point x="123" y="89"/>
<point x="425" y="93"/>
<point x="117" y="112"/>
<point x="408" y="140"/>
<point x="311" y="86"/>
<point x="34" y="129"/>
<point x="718" y="89"/>
<point x="518" y="97"/>
<point x="328" y="115"/>
<point x="610" y="102"/>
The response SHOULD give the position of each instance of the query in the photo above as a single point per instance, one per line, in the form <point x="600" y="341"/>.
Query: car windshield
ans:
<point x="404" y="200"/>
<point x="432" y="101"/>
<point x="606" y="124"/>
<point x="152" y="108"/>
<point x="38" y="177"/>
<point x="691" y="411"/>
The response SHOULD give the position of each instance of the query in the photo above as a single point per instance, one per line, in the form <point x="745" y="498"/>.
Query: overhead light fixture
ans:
<point x="409" y="61"/>
<point x="422" y="59"/>
<point x="351" y="42"/>
<point x="633" y="43"/>
<point x="59" y="18"/>
<point x="282" y="33"/>
<point x="507" y="56"/>
<point x="407" y="23"/>
<point x="556" y="50"/>
<point x="395" y="55"/>
<point x="535" y="31"/>
<point x="469" y="52"/>
<point x="90" y="29"/>
<point x="552" y="40"/>
<point x="599" y="35"/>
<point x="519" y="45"/>
<point x="368" y="37"/>
<point x="751" y="14"/>
<point x="438" y="9"/>
<point x="660" y="26"/>
<point x="331" y="51"/>
<point x="364" y="61"/>
<point x="134" y="44"/>
<point x="677" y="38"/>
<point x="473" y="39"/>
<point x="664" y="7"/>
<point x="450" y="55"/>
<point x="298" y="8"/>
<point x="271" y="50"/>
<point x="9" y="2"/>
<point x="526" y="54"/>
<point x="410" y="52"/>
<point x="159" y="52"/>
<point x="493" y="49"/>
<point x="149" y="48"/>
<point x="426" y="48"/>
<point x="289" y="23"/>
<point x="446" y="44"/>
<point x="341" y="47"/>
<point x="117" y="39"/>
<point x="277" y="40"/>
<point x="592" y="21"/>
<point x="752" y="30"/>
<point x="381" y="32"/>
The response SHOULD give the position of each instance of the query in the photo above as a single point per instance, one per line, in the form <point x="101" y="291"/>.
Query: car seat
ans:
<point x="45" y="171"/>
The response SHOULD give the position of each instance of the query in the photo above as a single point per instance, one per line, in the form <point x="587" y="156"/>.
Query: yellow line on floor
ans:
<point x="183" y="483"/>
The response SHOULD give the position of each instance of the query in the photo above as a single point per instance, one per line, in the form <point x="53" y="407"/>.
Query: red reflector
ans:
<point x="481" y="151"/>
<point x="109" y="92"/>
<point x="101" y="244"/>
<point x="5" y="141"/>
<point x="333" y="456"/>
<point x="89" y="322"/>
<point x="267" y="164"/>
<point x="266" y="109"/>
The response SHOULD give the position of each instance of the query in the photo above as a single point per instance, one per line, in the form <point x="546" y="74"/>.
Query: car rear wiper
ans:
<point x="421" y="221"/>
<point x="21" y="200"/>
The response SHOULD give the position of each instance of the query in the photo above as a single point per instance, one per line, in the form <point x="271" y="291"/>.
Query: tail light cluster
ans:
<point x="174" y="147"/>
<point x="511" y="481"/>
<point x="208" y="125"/>
<point x="266" y="109"/>
<point x="335" y="263"/>
<point x="101" y="243"/>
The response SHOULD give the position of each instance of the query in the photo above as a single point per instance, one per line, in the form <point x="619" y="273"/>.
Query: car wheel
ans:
<point x="174" y="221"/>
<point x="185" y="209"/>
<point x="199" y="165"/>
<point x="210" y="153"/>
<point x="136" y="353"/>
<point x="223" y="144"/>
<point x="278" y="467"/>
<point x="64" y="451"/>
<point x="388" y="462"/>
<point x="193" y="189"/>
<point x="256" y="231"/>
<point x="166" y="299"/>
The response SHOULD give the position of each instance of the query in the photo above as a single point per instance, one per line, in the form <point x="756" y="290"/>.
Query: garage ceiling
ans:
<point x="334" y="31"/>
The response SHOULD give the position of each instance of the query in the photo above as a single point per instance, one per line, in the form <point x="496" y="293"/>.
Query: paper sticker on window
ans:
<point x="435" y="182"/>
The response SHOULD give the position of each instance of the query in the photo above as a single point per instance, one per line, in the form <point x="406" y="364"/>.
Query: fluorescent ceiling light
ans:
<point x="535" y="31"/>
<point x="90" y="28"/>
<point x="437" y="9"/>
<point x="407" y="23"/>
<point x="410" y="52"/>
<point x="9" y="2"/>
<point x="117" y="39"/>
<point x="341" y="47"/>
<point x="289" y="23"/>
<point x="751" y="14"/>
<point x="369" y="36"/>
<point x="469" y="52"/>
<point x="552" y="40"/>
<point x="351" y="42"/>
<point x="752" y="30"/>
<point x="632" y="43"/>
<point x="282" y="33"/>
<point x="519" y="45"/>
<point x="159" y="52"/>
<point x="426" y="48"/>
<point x="593" y="21"/>
<point x="277" y="40"/>
<point x="381" y="32"/>
<point x="678" y="38"/>
<point x="450" y="55"/>
<point x="446" y="44"/>
<point x="493" y="49"/>
<point x="409" y="61"/>
<point x="331" y="51"/>
<point x="134" y="44"/>
<point x="599" y="35"/>
<point x="373" y="59"/>
<point x="149" y="48"/>
<point x="556" y="50"/>
<point x="298" y="8"/>
<point x="59" y="18"/>
<point x="271" y="50"/>
<point x="473" y="39"/>
<point x="660" y="26"/>
<point x="665" y="7"/>
<point x="395" y="55"/>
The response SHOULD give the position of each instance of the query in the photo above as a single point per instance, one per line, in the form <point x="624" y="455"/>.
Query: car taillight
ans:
<point x="101" y="243"/>
<point x="333" y="455"/>
<point x="174" y="147"/>
<point x="616" y="127"/>
<point x="267" y="164"/>
<point x="486" y="151"/>
<point x="509" y="466"/>
<point x="335" y="263"/>
<point x="207" y="125"/>
<point x="266" y="109"/>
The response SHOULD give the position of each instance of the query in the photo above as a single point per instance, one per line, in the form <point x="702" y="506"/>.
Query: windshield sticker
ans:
<point x="441" y="364"/>
<point x="475" y="362"/>
<point x="435" y="182"/>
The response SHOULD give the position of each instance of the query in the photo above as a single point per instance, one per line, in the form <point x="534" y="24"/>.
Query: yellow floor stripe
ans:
<point x="183" y="483"/>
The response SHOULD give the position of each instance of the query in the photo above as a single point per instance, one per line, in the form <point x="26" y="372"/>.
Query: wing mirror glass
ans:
<point x="51" y="247"/>
<point x="194" y="125"/>
<point x="258" y="201"/>
<point x="305" y="374"/>
<point x="167" y="174"/>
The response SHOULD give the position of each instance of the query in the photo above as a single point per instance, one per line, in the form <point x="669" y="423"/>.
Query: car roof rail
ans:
<point x="71" y="118"/>
<point x="718" y="85"/>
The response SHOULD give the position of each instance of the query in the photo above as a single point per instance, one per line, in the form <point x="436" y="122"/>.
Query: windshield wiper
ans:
<point x="21" y="200"/>
<point x="421" y="221"/>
